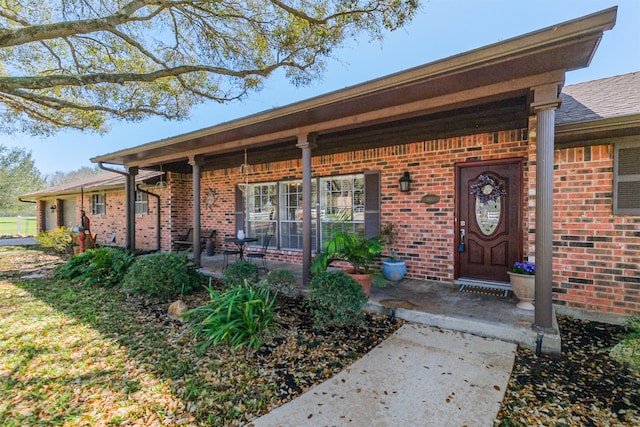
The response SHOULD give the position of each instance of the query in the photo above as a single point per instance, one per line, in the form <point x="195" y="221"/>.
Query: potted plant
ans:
<point x="356" y="250"/>
<point x="393" y="268"/>
<point x="523" y="283"/>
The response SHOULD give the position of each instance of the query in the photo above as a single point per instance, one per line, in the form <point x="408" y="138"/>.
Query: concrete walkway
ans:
<point x="18" y="241"/>
<point x="419" y="376"/>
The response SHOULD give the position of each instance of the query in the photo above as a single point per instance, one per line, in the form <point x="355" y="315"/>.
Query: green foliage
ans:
<point x="282" y="280"/>
<point x="108" y="267"/>
<point x="97" y="267"/>
<point x="353" y="248"/>
<point x="59" y="239"/>
<point x="336" y="299"/>
<point x="76" y="267"/>
<point x="161" y="275"/>
<point x="165" y="57"/>
<point x="627" y="351"/>
<point x="236" y="273"/>
<point x="240" y="316"/>
<point x="18" y="176"/>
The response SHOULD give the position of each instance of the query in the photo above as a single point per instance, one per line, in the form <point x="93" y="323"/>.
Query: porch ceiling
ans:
<point x="487" y="88"/>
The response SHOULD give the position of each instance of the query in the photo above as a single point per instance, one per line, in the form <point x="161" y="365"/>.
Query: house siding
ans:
<point x="596" y="253"/>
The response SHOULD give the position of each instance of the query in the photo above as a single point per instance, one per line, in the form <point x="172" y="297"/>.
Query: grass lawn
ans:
<point x="72" y="355"/>
<point x="9" y="226"/>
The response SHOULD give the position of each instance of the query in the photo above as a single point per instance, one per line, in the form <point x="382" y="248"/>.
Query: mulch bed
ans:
<point x="585" y="387"/>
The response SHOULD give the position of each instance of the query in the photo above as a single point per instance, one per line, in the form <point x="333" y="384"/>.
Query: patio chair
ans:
<point x="228" y="251"/>
<point x="262" y="254"/>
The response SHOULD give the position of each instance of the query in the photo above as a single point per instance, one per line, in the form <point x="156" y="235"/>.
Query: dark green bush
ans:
<point x="108" y="267"/>
<point x="235" y="274"/>
<point x="75" y="267"/>
<point x="240" y="316"/>
<point x="97" y="267"/>
<point x="58" y="240"/>
<point x="161" y="275"/>
<point x="336" y="299"/>
<point x="282" y="280"/>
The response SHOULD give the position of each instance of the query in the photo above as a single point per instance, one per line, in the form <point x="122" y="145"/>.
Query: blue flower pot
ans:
<point x="394" y="270"/>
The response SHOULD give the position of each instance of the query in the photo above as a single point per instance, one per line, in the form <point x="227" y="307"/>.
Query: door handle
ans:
<point x="461" y="246"/>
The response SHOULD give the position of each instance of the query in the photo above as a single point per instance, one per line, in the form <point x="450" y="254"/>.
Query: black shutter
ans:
<point x="626" y="199"/>
<point x="239" y="214"/>
<point x="371" y="204"/>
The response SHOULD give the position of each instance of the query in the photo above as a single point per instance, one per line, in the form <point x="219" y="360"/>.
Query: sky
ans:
<point x="441" y="29"/>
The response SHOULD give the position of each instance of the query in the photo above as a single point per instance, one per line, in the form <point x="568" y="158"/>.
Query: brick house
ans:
<point x="103" y="199"/>
<point x="496" y="174"/>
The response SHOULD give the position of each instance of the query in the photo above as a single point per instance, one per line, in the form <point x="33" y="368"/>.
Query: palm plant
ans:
<point x="353" y="248"/>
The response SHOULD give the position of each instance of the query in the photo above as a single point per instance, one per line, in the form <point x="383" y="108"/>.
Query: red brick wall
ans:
<point x="596" y="253"/>
<point x="114" y="221"/>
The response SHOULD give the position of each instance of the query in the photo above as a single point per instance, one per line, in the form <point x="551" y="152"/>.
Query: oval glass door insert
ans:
<point x="488" y="215"/>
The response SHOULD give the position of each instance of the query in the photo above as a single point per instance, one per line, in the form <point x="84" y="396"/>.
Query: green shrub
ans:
<point x="239" y="316"/>
<point x="235" y="274"/>
<point x="75" y="267"/>
<point x="627" y="351"/>
<point x="336" y="299"/>
<point x="282" y="280"/>
<point x="161" y="275"/>
<point x="97" y="267"/>
<point x="58" y="240"/>
<point x="108" y="267"/>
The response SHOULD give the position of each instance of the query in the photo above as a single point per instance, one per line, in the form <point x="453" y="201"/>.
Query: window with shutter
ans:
<point x="626" y="190"/>
<point x="98" y="204"/>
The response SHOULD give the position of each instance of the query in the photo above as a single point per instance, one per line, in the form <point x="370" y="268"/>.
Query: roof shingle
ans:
<point x="599" y="99"/>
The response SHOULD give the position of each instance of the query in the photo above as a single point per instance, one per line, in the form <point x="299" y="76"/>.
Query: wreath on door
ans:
<point x="487" y="189"/>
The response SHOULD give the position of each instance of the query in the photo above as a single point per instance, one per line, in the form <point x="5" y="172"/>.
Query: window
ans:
<point x="291" y="214"/>
<point x="626" y="188"/>
<point x="342" y="204"/>
<point x="276" y="208"/>
<point x="142" y="203"/>
<point x="98" y="204"/>
<point x="261" y="211"/>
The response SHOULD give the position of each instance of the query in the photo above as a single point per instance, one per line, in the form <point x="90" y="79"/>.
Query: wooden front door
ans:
<point x="489" y="219"/>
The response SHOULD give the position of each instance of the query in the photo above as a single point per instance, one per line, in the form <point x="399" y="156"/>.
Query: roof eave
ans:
<point x="598" y="131"/>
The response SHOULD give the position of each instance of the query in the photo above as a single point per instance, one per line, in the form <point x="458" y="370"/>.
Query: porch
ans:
<point x="440" y="304"/>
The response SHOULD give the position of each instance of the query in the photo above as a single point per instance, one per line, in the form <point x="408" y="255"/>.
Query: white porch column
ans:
<point x="305" y="142"/>
<point x="546" y="100"/>
<point x="196" y="209"/>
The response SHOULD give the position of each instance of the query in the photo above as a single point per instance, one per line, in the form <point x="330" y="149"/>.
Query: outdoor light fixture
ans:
<point x="244" y="171"/>
<point x="405" y="183"/>
<point x="52" y="208"/>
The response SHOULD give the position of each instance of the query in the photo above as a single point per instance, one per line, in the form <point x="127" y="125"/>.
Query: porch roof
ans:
<point x="486" y="87"/>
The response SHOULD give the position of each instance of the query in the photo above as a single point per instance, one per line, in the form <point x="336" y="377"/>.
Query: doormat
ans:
<point x="501" y="293"/>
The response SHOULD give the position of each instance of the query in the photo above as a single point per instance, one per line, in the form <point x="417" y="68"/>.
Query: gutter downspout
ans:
<point x="157" y="196"/>
<point x="130" y="200"/>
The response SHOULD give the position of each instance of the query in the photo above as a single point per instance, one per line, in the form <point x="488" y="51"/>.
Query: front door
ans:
<point x="489" y="219"/>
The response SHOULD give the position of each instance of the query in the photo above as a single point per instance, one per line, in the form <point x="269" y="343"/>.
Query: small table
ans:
<point x="240" y="244"/>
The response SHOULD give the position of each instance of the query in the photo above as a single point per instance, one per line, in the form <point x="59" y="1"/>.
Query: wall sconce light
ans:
<point x="52" y="208"/>
<point x="405" y="183"/>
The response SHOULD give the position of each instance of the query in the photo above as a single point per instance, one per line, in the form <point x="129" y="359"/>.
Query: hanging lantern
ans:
<point x="244" y="171"/>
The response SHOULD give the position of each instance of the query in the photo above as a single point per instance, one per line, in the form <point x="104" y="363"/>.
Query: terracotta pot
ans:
<point x="524" y="287"/>
<point x="364" y="280"/>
